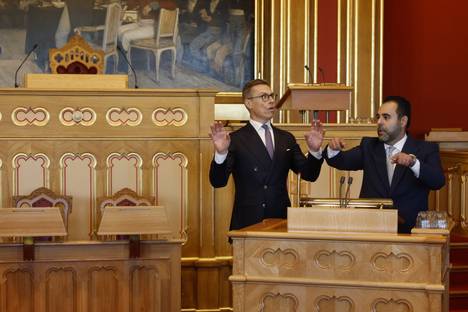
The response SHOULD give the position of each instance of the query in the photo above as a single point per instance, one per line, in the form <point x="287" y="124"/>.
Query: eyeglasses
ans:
<point x="265" y="97"/>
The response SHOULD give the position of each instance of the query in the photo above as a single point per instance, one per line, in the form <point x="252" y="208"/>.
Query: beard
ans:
<point x="386" y="135"/>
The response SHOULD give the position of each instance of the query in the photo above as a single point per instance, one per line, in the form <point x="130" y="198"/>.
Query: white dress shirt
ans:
<point x="220" y="158"/>
<point x="398" y="147"/>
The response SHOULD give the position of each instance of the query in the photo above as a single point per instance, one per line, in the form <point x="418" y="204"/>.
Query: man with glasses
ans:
<point x="259" y="156"/>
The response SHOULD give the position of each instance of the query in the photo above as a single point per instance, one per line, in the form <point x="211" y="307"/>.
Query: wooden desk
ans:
<point x="274" y="270"/>
<point x="91" y="276"/>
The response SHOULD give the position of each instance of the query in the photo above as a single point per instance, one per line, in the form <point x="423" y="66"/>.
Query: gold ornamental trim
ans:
<point x="84" y="116"/>
<point x="29" y="116"/>
<point x="131" y="116"/>
<point x="169" y="117"/>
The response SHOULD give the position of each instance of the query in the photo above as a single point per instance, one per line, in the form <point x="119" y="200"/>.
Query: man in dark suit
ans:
<point x="259" y="156"/>
<point x="395" y="165"/>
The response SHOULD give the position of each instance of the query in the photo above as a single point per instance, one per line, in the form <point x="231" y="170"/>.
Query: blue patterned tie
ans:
<point x="268" y="141"/>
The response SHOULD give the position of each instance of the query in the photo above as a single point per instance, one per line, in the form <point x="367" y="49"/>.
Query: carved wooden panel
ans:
<point x="61" y="290"/>
<point x="78" y="179"/>
<point x="145" y="289"/>
<point x="30" y="171"/>
<point x="18" y="290"/>
<point x="124" y="170"/>
<point x="170" y="186"/>
<point x="103" y="283"/>
<point x="339" y="260"/>
<point x="333" y="303"/>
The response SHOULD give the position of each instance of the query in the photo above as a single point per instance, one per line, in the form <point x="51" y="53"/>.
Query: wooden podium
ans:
<point x="275" y="269"/>
<point x="315" y="97"/>
<point x="134" y="221"/>
<point x="77" y="82"/>
<point x="30" y="223"/>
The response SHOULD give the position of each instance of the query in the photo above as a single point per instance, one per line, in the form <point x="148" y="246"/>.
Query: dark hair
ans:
<point x="403" y="107"/>
<point x="249" y="85"/>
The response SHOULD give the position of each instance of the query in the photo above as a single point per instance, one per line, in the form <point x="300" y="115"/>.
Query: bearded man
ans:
<point x="395" y="165"/>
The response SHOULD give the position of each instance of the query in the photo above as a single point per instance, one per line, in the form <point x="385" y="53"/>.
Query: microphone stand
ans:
<point x="21" y="65"/>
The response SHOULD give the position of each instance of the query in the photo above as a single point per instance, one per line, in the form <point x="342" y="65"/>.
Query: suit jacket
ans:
<point x="409" y="194"/>
<point x="260" y="182"/>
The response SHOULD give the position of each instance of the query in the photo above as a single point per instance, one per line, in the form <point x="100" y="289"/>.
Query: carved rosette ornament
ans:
<point x="169" y="117"/>
<point x="84" y="116"/>
<point x="28" y="116"/>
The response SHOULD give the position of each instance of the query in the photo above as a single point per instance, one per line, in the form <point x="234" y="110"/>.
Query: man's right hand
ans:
<point x="336" y="144"/>
<point x="220" y="137"/>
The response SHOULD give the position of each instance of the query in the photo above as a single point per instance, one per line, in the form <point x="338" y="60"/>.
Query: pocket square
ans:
<point x="288" y="149"/>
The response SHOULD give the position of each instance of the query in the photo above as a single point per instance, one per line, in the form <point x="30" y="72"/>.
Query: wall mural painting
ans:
<point x="213" y="41"/>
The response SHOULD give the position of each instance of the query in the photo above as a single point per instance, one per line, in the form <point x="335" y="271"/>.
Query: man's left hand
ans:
<point x="314" y="137"/>
<point x="403" y="159"/>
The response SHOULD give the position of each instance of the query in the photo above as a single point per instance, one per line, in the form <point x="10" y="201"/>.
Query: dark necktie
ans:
<point x="268" y="140"/>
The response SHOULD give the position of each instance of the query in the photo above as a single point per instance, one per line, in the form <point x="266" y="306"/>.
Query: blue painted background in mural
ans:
<point x="214" y="43"/>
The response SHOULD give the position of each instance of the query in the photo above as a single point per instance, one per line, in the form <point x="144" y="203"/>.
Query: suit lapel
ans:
<point x="256" y="146"/>
<point x="400" y="171"/>
<point x="381" y="164"/>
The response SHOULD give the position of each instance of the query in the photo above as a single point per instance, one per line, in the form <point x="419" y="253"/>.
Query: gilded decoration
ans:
<point x="77" y="116"/>
<point x="169" y="117"/>
<point x="124" y="116"/>
<point x="28" y="116"/>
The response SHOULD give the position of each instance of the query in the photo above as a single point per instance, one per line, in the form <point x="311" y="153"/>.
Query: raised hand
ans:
<point x="336" y="144"/>
<point x="314" y="137"/>
<point x="220" y="137"/>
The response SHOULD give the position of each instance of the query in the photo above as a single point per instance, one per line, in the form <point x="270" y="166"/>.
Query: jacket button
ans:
<point x="255" y="169"/>
<point x="265" y="186"/>
<point x="263" y="205"/>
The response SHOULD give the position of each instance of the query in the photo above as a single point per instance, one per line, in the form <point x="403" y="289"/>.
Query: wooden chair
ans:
<point x="124" y="197"/>
<point x="110" y="33"/>
<point x="165" y="36"/>
<point x="44" y="197"/>
<point x="76" y="57"/>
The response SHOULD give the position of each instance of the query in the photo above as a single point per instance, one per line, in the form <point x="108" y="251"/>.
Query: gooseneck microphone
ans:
<point x="340" y="195"/>
<point x="346" y="201"/>
<point x="129" y="65"/>
<point x="310" y="74"/>
<point x="21" y="65"/>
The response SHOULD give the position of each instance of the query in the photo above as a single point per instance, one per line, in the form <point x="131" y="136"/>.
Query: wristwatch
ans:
<point x="413" y="160"/>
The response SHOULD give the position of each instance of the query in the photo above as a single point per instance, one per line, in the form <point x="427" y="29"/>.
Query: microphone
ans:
<point x="130" y="65"/>
<point x="322" y="73"/>
<point x="340" y="194"/>
<point x="346" y="200"/>
<point x="24" y="60"/>
<point x="310" y="74"/>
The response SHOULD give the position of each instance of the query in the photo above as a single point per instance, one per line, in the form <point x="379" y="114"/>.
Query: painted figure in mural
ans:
<point x="213" y="20"/>
<point x="190" y="25"/>
<point x="144" y="27"/>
